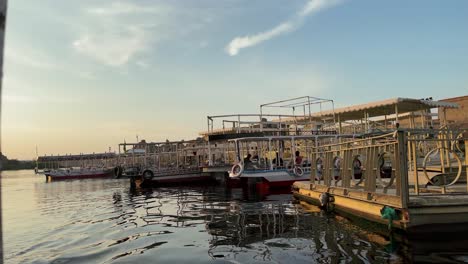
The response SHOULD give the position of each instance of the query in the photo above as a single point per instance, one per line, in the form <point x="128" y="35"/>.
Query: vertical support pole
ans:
<point x="133" y="155"/>
<point x="445" y="116"/>
<point x="423" y="118"/>
<point x="313" y="168"/>
<point x="238" y="151"/>
<point x="365" y="122"/>
<point x="466" y="163"/>
<point x="269" y="151"/>
<point x="340" y="128"/>
<point x="368" y="122"/>
<point x="333" y="109"/>
<point x="403" y="170"/>
<point x="261" y="119"/>
<point x="146" y="155"/>
<point x="293" y="150"/>
<point x="396" y="114"/>
<point x="412" y="120"/>
<point x="177" y="155"/>
<point x="280" y="127"/>
<point x="155" y="156"/>
<point x="371" y="173"/>
<point x="209" y="154"/>
<point x="415" y="168"/>
<point x="159" y="157"/>
<point x="410" y="153"/>
<point x="238" y="123"/>
<point x="441" y="146"/>
<point x="385" y="122"/>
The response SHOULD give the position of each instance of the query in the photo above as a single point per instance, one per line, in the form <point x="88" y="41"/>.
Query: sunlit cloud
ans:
<point x="312" y="7"/>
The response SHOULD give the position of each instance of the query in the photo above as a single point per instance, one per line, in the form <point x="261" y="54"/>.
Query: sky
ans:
<point x="83" y="76"/>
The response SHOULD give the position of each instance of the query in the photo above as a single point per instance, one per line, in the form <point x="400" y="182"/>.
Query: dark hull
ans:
<point x="84" y="176"/>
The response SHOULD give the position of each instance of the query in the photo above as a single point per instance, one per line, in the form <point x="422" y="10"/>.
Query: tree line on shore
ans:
<point x="14" y="164"/>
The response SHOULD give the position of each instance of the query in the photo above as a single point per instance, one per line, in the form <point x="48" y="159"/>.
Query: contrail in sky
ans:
<point x="312" y="7"/>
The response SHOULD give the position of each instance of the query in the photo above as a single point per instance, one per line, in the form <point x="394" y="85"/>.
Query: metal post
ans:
<point x="445" y="116"/>
<point x="209" y="154"/>
<point x="385" y="122"/>
<point x="177" y="155"/>
<point x="261" y="119"/>
<point x="293" y="150"/>
<point x="146" y="155"/>
<point x="269" y="151"/>
<point x="340" y="130"/>
<point x="396" y="114"/>
<point x="365" y="122"/>
<point x="280" y="126"/>
<point x="415" y="168"/>
<point x="133" y="155"/>
<point x="403" y="170"/>
<point x="466" y="163"/>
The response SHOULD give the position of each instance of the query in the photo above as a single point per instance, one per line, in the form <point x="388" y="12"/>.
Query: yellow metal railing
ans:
<point x="393" y="166"/>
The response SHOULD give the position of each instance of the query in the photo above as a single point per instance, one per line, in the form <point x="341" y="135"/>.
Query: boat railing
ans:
<point x="389" y="168"/>
<point x="182" y="160"/>
<point x="46" y="163"/>
<point x="437" y="161"/>
<point x="249" y="123"/>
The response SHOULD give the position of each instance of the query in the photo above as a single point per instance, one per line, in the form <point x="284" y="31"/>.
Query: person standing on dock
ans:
<point x="298" y="160"/>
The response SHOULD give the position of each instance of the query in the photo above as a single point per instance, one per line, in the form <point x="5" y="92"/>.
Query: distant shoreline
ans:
<point x="7" y="164"/>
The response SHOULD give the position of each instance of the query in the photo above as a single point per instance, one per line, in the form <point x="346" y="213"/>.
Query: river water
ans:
<point x="104" y="221"/>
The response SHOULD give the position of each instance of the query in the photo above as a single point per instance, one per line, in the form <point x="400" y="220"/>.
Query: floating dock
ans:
<point x="387" y="179"/>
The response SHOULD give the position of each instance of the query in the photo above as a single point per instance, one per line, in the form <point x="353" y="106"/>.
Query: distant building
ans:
<point x="455" y="117"/>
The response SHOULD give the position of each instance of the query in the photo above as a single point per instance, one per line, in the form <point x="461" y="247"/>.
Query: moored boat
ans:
<point x="78" y="173"/>
<point x="271" y="162"/>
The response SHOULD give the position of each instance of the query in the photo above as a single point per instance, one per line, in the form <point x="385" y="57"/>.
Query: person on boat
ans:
<point x="298" y="160"/>
<point x="275" y="160"/>
<point x="247" y="160"/>
<point x="255" y="158"/>
<point x="337" y="168"/>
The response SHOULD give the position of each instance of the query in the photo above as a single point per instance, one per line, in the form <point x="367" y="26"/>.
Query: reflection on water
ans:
<point x="104" y="221"/>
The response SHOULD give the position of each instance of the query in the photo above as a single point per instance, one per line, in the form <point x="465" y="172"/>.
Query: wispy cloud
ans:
<point x="312" y="7"/>
<point x="28" y="58"/>
<point x="118" y="32"/>
<point x="51" y="99"/>
<point x="113" y="47"/>
<point x="18" y="99"/>
<point x="121" y="8"/>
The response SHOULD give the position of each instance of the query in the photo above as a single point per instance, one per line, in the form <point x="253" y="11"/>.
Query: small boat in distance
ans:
<point x="274" y="161"/>
<point x="78" y="173"/>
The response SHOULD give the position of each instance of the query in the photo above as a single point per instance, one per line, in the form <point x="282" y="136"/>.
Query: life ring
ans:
<point x="298" y="171"/>
<point x="118" y="172"/>
<point x="148" y="175"/>
<point x="236" y="170"/>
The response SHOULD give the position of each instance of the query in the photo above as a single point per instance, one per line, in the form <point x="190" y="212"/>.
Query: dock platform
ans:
<point x="409" y="199"/>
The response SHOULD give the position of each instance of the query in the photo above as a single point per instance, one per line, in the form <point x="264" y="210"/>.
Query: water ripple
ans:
<point x="104" y="221"/>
